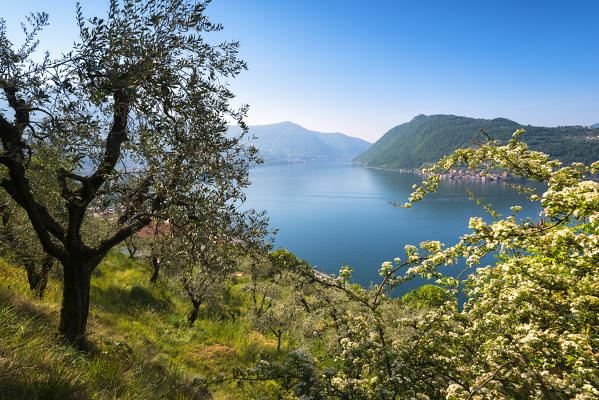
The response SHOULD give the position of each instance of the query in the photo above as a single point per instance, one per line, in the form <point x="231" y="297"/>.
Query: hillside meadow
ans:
<point x="143" y="347"/>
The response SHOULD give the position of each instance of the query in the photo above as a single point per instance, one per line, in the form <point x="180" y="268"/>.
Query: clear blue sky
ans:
<point x="362" y="67"/>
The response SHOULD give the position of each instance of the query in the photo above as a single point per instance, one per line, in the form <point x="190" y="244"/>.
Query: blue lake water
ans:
<point x="333" y="215"/>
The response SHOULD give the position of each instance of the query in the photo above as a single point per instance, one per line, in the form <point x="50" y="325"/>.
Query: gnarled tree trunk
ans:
<point x="131" y="247"/>
<point x="193" y="314"/>
<point x="75" y="298"/>
<point x="38" y="275"/>
<point x="156" y="266"/>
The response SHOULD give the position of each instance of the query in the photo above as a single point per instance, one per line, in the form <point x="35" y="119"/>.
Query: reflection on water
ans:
<point x="333" y="215"/>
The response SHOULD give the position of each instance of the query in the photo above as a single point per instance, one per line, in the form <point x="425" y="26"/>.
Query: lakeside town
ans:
<point x="453" y="174"/>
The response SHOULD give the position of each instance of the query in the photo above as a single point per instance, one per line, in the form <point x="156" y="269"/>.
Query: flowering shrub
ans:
<point x="529" y="327"/>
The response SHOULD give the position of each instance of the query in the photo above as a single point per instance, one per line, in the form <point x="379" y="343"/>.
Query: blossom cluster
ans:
<point x="526" y="326"/>
<point x="529" y="325"/>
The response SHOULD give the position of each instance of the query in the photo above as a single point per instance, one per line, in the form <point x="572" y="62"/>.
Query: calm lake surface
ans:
<point x="333" y="215"/>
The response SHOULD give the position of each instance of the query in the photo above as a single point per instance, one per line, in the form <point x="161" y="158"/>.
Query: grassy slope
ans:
<point x="145" y="349"/>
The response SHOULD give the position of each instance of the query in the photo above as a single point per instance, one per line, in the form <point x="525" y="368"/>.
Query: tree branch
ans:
<point x="41" y="220"/>
<point x="65" y="192"/>
<point x="490" y="378"/>
<point x="19" y="106"/>
<point x="79" y="199"/>
<point x="121" y="235"/>
<point x="117" y="135"/>
<point x="17" y="185"/>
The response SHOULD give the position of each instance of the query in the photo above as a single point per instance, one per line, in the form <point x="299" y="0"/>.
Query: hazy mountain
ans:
<point x="426" y="139"/>
<point x="287" y="142"/>
<point x="595" y="126"/>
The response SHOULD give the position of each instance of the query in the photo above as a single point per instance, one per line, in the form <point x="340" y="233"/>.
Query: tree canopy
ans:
<point x="137" y="114"/>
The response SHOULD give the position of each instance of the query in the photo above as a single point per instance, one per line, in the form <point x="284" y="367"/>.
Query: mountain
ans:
<point x="287" y="142"/>
<point x="426" y="139"/>
<point x="595" y="126"/>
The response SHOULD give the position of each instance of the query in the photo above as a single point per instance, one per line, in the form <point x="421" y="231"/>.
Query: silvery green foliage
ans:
<point x="147" y="67"/>
<point x="137" y="113"/>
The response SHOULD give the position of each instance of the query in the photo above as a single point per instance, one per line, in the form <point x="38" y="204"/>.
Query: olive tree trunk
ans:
<point x="193" y="314"/>
<point x="75" y="297"/>
<point x="38" y="275"/>
<point x="156" y="266"/>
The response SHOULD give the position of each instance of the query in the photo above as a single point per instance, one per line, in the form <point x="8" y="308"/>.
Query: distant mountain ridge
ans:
<point x="287" y="142"/>
<point x="426" y="139"/>
<point x="595" y="126"/>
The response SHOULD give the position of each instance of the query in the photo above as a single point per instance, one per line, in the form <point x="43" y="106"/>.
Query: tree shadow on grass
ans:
<point x="25" y="307"/>
<point x="129" y="301"/>
<point x="43" y="384"/>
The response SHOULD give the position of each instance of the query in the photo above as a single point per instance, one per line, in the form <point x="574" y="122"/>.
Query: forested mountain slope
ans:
<point x="425" y="139"/>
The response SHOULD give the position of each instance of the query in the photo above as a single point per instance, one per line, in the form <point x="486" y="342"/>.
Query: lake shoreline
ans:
<point x="471" y="175"/>
<point x="333" y="215"/>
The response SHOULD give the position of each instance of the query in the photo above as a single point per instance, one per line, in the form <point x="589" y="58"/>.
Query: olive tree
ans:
<point x="18" y="240"/>
<point x="139" y="110"/>
<point x="200" y="261"/>
<point x="203" y="255"/>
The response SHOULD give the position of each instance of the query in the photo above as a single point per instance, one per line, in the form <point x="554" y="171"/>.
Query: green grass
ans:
<point x="143" y="346"/>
